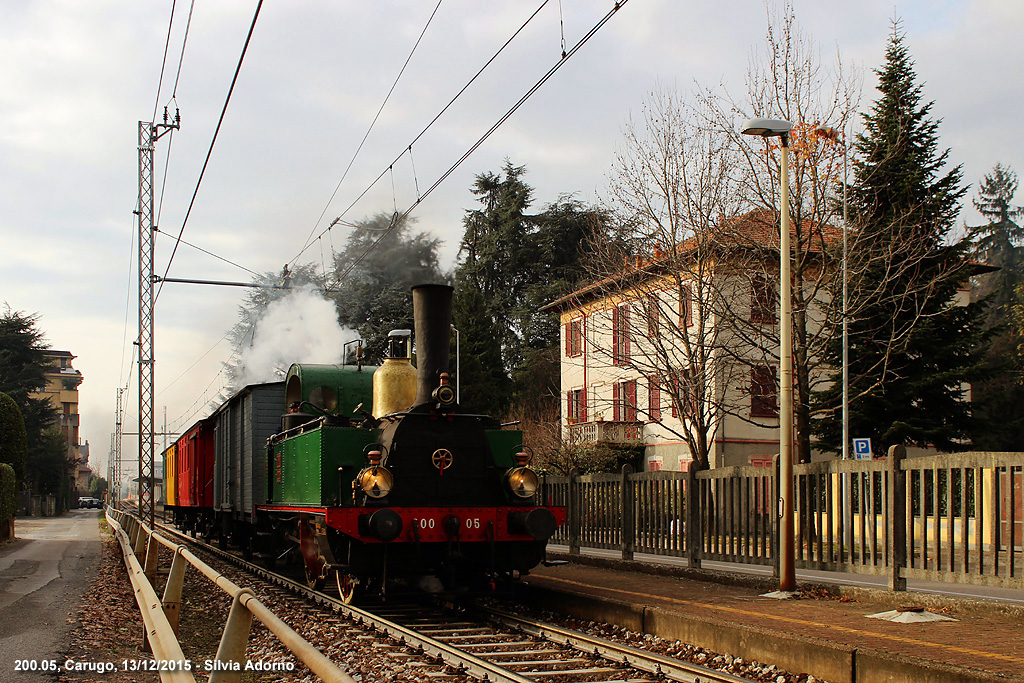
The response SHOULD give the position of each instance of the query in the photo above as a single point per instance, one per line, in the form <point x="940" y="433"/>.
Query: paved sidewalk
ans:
<point x="43" y="575"/>
<point x="988" y="636"/>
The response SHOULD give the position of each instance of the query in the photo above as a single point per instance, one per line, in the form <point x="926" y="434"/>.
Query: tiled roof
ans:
<point x="757" y="229"/>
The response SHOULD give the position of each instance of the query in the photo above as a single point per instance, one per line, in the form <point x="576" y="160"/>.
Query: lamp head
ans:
<point x="766" y="128"/>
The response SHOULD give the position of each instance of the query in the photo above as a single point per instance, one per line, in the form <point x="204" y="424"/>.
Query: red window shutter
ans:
<point x="627" y="333"/>
<point x="616" y="403"/>
<point x="583" y="404"/>
<point x="653" y="313"/>
<point x="653" y="399"/>
<point x="568" y="339"/>
<point x="616" y="336"/>
<point x="631" y="400"/>
<point x="685" y="306"/>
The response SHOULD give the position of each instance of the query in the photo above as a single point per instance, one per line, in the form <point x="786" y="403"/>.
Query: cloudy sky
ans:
<point x="76" y="77"/>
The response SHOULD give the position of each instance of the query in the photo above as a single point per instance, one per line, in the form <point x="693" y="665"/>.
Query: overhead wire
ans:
<point x="216" y="256"/>
<point x="174" y="96"/>
<point x="186" y="371"/>
<point x="619" y="4"/>
<point x="309" y="238"/>
<point x="163" y="63"/>
<point x="426" y="128"/>
<point x="213" y="142"/>
<point x="128" y="301"/>
<point x="181" y="56"/>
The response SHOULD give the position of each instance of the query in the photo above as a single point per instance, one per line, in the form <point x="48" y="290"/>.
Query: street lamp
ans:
<point x="458" y="364"/>
<point x="771" y="128"/>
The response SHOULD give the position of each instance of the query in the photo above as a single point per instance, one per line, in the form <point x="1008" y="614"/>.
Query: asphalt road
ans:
<point x="43" y="575"/>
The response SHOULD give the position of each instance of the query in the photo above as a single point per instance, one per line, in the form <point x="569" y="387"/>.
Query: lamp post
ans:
<point x="458" y="365"/>
<point x="770" y="128"/>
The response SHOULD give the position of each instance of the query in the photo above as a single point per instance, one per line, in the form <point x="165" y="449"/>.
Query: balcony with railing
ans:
<point x="612" y="433"/>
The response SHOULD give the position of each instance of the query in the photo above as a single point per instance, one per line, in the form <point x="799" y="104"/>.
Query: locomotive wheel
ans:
<point x="349" y="589"/>
<point x="313" y="579"/>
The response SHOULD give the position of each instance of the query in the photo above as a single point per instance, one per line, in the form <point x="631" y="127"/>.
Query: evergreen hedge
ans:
<point x="13" y="440"/>
<point x="8" y="494"/>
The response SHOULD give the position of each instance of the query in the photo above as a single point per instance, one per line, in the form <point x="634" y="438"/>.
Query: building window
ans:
<point x="576" y="406"/>
<point x="685" y="306"/>
<point x="762" y="300"/>
<point x="624" y="401"/>
<point x="620" y="335"/>
<point x="763" y="393"/>
<point x="653" y="399"/>
<point x="574" y="337"/>
<point x="653" y="316"/>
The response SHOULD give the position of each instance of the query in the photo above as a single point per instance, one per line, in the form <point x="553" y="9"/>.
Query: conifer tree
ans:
<point x="999" y="398"/>
<point x="912" y="347"/>
<point x="999" y="242"/>
<point x="512" y="263"/>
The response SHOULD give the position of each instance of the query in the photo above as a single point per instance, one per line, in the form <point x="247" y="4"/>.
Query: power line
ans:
<point x="216" y="256"/>
<point x="416" y="139"/>
<point x="163" y="63"/>
<point x="181" y="56"/>
<point x="209" y="152"/>
<point x="127" y="303"/>
<point x="619" y="4"/>
<point x="187" y="370"/>
<point x="372" y="123"/>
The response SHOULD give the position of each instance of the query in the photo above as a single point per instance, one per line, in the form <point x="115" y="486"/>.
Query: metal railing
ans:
<point x="631" y="433"/>
<point x="161" y="615"/>
<point x="956" y="518"/>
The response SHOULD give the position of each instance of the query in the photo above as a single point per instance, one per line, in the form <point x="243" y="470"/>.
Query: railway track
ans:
<point x="449" y="642"/>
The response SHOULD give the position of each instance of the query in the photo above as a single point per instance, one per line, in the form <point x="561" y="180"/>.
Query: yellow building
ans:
<point x="61" y="390"/>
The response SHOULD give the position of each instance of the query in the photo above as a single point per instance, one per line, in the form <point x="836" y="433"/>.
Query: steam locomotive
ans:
<point x="414" y="490"/>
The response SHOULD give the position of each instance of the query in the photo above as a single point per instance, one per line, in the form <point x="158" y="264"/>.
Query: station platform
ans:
<point x="825" y="631"/>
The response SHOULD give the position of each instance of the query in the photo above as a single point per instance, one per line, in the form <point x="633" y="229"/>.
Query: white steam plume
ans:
<point x="301" y="327"/>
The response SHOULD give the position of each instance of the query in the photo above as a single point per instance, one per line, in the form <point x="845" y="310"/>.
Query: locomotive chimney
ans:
<point x="432" y="311"/>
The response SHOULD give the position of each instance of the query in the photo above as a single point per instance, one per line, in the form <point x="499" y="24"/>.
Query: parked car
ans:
<point x="88" y="502"/>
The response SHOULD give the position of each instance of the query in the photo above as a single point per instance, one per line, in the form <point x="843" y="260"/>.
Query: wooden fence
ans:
<point x="956" y="518"/>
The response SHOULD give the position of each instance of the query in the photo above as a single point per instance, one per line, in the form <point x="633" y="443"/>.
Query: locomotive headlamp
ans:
<point x="523" y="481"/>
<point x="444" y="394"/>
<point x="375" y="480"/>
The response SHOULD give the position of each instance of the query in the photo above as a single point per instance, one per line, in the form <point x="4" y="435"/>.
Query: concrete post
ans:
<point x="233" y="641"/>
<point x="172" y="590"/>
<point x="628" y="516"/>
<point x="897" y="504"/>
<point x="152" y="558"/>
<point x="140" y="541"/>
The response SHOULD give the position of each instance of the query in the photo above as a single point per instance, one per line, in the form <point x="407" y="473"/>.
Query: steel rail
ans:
<point x="659" y="665"/>
<point x="449" y="655"/>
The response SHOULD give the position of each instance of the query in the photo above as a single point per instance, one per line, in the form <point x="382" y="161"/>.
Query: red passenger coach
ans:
<point x="194" y="451"/>
<point x="195" y="466"/>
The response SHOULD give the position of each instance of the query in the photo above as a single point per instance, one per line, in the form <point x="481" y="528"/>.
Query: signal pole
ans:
<point x="149" y="133"/>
